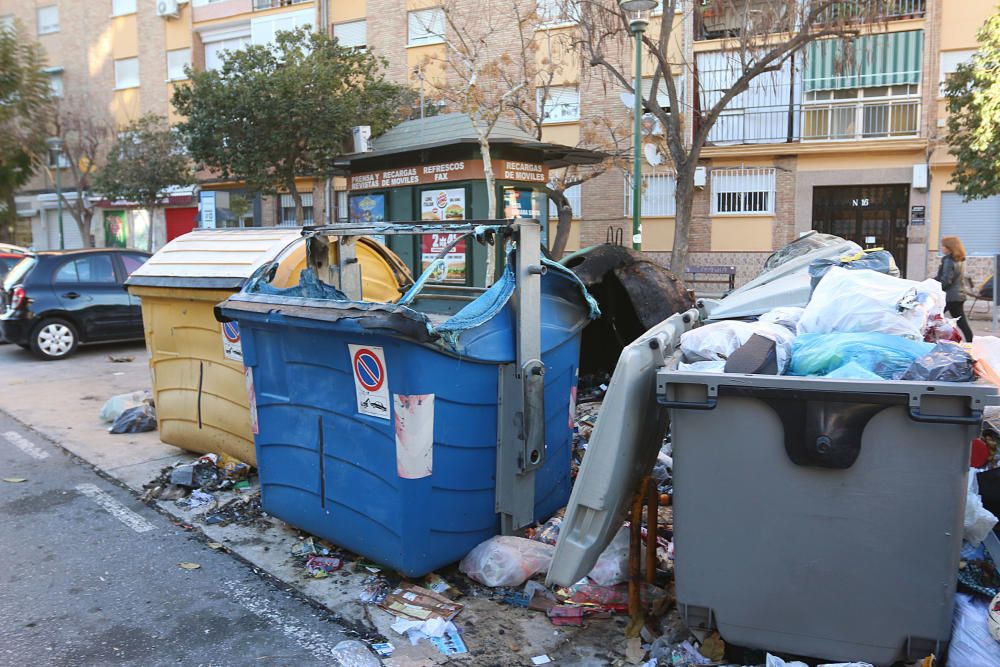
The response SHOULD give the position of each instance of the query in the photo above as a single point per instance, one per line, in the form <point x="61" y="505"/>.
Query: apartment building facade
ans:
<point x="811" y="147"/>
<point x="112" y="61"/>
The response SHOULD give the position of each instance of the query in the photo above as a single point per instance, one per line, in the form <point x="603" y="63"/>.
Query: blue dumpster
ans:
<point x="344" y="391"/>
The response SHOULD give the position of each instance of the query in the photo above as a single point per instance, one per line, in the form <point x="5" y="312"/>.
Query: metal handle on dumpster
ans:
<point x="968" y="420"/>
<point x="708" y="404"/>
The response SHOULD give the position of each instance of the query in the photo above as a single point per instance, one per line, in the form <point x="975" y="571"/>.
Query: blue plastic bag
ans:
<point x="885" y="355"/>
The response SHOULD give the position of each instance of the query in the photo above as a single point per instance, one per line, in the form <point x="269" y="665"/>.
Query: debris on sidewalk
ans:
<point x="189" y="566"/>
<point x="140" y="419"/>
<point x="243" y="510"/>
<point x="118" y="404"/>
<point x="14" y="480"/>
<point x="506" y="560"/>
<point x="415" y="602"/>
<point x="120" y="359"/>
<point x="323" y="566"/>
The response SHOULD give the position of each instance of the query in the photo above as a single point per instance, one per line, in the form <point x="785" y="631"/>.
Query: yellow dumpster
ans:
<point x="195" y="363"/>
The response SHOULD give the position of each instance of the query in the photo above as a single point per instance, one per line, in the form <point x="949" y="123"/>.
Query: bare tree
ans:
<point x="759" y="37"/>
<point x="85" y="138"/>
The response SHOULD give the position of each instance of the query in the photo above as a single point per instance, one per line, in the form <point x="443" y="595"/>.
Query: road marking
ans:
<point x="25" y="445"/>
<point x="311" y="641"/>
<point x="115" y="508"/>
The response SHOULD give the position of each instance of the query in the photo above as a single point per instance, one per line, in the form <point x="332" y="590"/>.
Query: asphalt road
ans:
<point x="90" y="576"/>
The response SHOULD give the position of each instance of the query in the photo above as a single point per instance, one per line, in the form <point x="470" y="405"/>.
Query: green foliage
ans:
<point x="25" y="109"/>
<point x="973" y="93"/>
<point x="146" y="158"/>
<point x="272" y="113"/>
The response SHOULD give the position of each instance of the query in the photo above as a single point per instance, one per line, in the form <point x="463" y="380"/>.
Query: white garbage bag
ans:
<point x="718" y="340"/>
<point x="865" y="301"/>
<point x="979" y="521"/>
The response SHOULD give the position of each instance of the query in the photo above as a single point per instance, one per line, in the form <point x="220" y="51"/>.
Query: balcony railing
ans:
<point x="861" y="120"/>
<point x="271" y="4"/>
<point x="838" y="121"/>
<point x="727" y="19"/>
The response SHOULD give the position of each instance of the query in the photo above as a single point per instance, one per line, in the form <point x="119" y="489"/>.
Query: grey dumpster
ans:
<point x="820" y="517"/>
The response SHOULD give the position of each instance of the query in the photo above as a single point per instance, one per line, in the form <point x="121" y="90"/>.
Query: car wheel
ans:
<point x="54" y="339"/>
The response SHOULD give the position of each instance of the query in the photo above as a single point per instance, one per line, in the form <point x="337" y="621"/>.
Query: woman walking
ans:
<point x="951" y="275"/>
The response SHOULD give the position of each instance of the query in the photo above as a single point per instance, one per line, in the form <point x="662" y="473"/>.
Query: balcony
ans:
<point x="721" y="19"/>
<point x="259" y="5"/>
<point x="834" y="121"/>
<point x="861" y="120"/>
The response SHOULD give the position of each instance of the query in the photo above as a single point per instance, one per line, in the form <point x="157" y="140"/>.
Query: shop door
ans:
<point x="115" y="232"/>
<point x="873" y="216"/>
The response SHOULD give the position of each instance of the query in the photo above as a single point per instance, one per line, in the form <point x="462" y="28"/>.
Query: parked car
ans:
<point x="53" y="301"/>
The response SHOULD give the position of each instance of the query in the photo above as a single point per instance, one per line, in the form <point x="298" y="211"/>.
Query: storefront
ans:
<point x="432" y="170"/>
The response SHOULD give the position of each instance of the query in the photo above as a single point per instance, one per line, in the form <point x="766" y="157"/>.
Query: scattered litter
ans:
<point x="215" y="545"/>
<point x="120" y="360"/>
<point x="506" y="560"/>
<point x="384" y="649"/>
<point x="411" y="601"/>
<point x="352" y="653"/>
<point x="541" y="660"/>
<point x="612" y="566"/>
<point x="439" y="584"/>
<point x="321" y="566"/>
<point x="197" y="499"/>
<point x="634" y="652"/>
<point x="972" y="644"/>
<point x="450" y="644"/>
<point x="189" y="566"/>
<point x="374" y="589"/>
<point x="775" y="661"/>
<point x="240" y="510"/>
<point x="15" y="480"/>
<point x="140" y="419"/>
<point x="713" y="648"/>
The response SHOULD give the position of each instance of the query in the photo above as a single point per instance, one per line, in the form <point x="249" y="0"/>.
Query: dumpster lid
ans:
<point x="213" y="258"/>
<point x="623" y="446"/>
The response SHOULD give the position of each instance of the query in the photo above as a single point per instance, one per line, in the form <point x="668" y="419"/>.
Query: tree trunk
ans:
<point x="83" y="221"/>
<point x="152" y="228"/>
<point x="491" y="199"/>
<point x="563" y="226"/>
<point x="297" y="198"/>
<point x="8" y="221"/>
<point x="683" y="198"/>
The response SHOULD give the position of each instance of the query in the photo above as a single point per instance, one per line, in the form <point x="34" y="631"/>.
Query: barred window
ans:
<point x="743" y="191"/>
<point x="657" y="195"/>
<point x="288" y="210"/>
<point x="574" y="194"/>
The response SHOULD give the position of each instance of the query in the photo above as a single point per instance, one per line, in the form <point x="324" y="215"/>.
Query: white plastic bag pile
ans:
<point x="865" y="301"/>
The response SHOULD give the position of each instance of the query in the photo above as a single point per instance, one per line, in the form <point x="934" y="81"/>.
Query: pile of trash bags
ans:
<point x="859" y="324"/>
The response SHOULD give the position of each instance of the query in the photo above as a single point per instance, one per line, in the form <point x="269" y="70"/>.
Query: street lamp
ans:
<point x="637" y="12"/>
<point x="55" y="145"/>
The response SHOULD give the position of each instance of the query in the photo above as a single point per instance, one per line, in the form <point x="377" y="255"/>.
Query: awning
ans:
<point x="875" y="60"/>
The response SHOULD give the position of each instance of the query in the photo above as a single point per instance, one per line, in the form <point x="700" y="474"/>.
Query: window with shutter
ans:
<point x="426" y="26"/>
<point x="352" y="33"/>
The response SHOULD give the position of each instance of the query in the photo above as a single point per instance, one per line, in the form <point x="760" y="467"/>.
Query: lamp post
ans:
<point x="55" y="145"/>
<point x="637" y="12"/>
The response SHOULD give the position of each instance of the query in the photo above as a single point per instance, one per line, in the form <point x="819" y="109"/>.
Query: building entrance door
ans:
<point x="873" y="216"/>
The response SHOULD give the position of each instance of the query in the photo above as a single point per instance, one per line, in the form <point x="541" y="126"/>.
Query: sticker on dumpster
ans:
<point x="232" y="345"/>
<point x="370" y="386"/>
<point x="414" y="435"/>
<point x="251" y="400"/>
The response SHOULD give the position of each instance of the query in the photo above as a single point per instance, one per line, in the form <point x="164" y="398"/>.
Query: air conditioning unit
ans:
<point x="362" y="138"/>
<point x="919" y="180"/>
<point x="167" y="9"/>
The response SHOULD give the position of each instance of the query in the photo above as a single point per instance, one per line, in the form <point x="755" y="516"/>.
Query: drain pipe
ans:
<point x="324" y="20"/>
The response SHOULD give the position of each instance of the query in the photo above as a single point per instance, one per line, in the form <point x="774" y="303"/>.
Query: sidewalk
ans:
<point x="62" y="400"/>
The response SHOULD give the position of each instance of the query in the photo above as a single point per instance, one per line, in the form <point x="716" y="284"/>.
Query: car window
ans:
<point x="92" y="269"/>
<point x="18" y="273"/>
<point x="132" y="262"/>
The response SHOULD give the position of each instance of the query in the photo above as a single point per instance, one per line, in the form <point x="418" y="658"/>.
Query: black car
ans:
<point x="53" y="301"/>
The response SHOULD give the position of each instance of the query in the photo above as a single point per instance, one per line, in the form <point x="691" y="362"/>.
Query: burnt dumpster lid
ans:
<point x="213" y="258"/>
<point x="456" y="128"/>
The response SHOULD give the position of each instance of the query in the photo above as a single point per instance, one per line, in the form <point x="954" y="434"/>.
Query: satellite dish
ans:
<point x="653" y="156"/>
<point x="628" y="99"/>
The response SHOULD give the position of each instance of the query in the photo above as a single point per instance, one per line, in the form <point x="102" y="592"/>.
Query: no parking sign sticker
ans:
<point x="232" y="344"/>
<point x="371" y="386"/>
